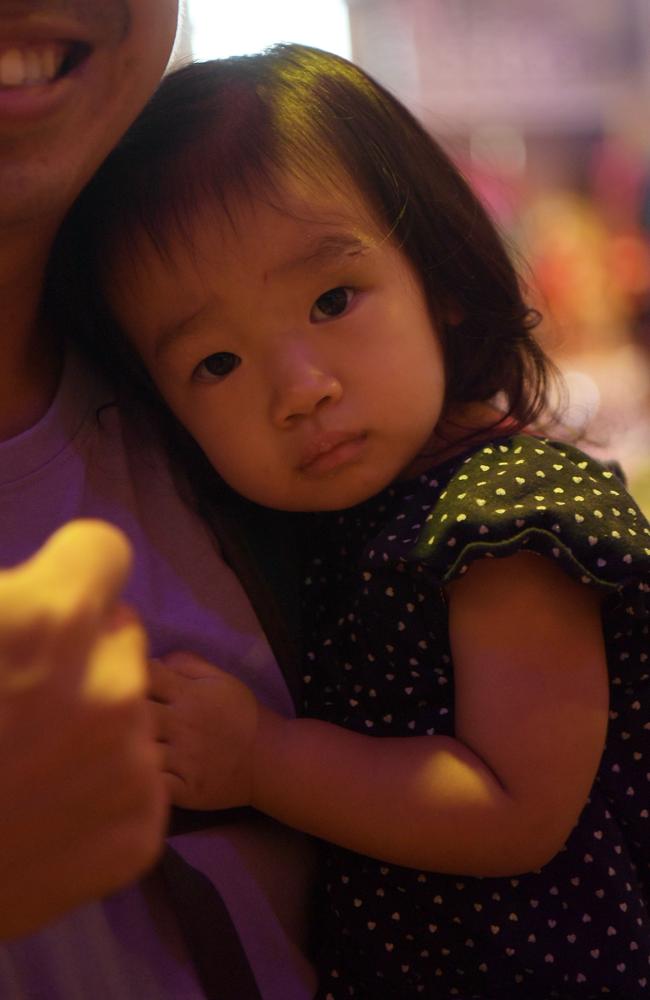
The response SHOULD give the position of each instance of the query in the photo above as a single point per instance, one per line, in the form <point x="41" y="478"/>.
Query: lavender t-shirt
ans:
<point x="80" y="460"/>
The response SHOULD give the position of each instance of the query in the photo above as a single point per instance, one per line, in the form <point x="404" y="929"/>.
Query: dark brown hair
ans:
<point x="222" y="129"/>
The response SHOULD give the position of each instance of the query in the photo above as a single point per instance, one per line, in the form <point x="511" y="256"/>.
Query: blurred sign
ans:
<point x="508" y="59"/>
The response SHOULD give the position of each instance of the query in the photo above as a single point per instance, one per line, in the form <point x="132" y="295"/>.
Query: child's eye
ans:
<point x="216" y="366"/>
<point x="331" y="304"/>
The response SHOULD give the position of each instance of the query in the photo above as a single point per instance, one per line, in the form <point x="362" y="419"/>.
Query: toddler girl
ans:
<point x="325" y="306"/>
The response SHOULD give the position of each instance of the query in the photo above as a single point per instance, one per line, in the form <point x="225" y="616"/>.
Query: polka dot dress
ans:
<point x="380" y="664"/>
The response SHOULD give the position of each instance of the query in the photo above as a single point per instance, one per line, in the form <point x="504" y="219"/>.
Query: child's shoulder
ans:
<point x="523" y="471"/>
<point x="528" y="493"/>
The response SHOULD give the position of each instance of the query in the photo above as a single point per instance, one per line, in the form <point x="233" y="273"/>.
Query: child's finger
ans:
<point x="160" y="721"/>
<point x="189" y="665"/>
<point x="176" y="789"/>
<point x="163" y="682"/>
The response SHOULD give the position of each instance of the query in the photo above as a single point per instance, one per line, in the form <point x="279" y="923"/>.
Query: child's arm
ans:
<point x="501" y="798"/>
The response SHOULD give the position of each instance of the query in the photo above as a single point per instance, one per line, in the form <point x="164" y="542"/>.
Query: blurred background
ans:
<point x="546" y="109"/>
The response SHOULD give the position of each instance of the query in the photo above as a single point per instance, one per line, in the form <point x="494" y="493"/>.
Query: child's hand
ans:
<point x="206" y="721"/>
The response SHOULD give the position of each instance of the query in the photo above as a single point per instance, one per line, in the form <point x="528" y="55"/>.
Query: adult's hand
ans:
<point x="82" y="800"/>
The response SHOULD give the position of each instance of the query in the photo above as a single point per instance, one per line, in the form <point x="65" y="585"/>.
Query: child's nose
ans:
<point x="302" y="392"/>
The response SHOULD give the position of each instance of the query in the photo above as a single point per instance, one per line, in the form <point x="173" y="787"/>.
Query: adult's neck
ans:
<point x="30" y="357"/>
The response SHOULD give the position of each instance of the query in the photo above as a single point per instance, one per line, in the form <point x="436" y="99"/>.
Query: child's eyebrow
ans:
<point x="330" y="247"/>
<point x="168" y="335"/>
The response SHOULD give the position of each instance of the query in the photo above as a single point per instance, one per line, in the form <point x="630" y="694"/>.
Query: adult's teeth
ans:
<point x="12" y="68"/>
<point x="30" y="66"/>
<point x="52" y="62"/>
<point x="33" y="68"/>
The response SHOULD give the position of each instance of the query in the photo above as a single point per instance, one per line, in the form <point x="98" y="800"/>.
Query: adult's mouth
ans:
<point x="37" y="63"/>
<point x="46" y="43"/>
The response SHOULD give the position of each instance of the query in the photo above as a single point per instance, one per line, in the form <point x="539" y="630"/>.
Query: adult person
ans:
<point x="83" y="804"/>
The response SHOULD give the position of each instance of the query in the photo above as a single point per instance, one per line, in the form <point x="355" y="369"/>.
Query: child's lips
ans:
<point x="330" y="450"/>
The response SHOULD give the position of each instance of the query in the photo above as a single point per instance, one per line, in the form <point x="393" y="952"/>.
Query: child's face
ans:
<point x="294" y="345"/>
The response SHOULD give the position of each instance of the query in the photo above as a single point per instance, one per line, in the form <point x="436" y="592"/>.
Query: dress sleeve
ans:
<point x="526" y="493"/>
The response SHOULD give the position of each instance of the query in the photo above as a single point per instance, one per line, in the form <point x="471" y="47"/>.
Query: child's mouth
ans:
<point x="330" y="451"/>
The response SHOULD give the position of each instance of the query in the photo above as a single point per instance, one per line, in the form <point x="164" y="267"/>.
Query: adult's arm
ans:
<point x="82" y="803"/>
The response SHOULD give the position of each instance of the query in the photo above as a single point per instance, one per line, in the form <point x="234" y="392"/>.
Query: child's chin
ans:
<point x="331" y="500"/>
<point x="327" y="494"/>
